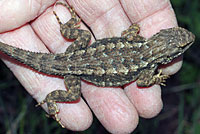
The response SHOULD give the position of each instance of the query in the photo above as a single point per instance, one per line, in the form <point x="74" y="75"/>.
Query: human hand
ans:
<point x="118" y="110"/>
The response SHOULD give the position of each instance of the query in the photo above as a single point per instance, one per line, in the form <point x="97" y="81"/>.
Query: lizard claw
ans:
<point x="40" y="103"/>
<point x="163" y="84"/>
<point x="58" y="120"/>
<point x="161" y="78"/>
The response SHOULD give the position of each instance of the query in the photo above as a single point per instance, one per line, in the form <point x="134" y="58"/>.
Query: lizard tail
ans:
<point x="42" y="62"/>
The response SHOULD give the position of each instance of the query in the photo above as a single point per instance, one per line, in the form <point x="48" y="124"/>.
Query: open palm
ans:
<point x="31" y="25"/>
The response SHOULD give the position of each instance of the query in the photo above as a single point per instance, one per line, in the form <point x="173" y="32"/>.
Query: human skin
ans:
<point x="31" y="25"/>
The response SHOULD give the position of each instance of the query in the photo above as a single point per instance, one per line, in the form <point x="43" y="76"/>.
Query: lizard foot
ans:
<point x="58" y="120"/>
<point x="160" y="78"/>
<point x="74" y="16"/>
<point x="53" y="110"/>
<point x="40" y="103"/>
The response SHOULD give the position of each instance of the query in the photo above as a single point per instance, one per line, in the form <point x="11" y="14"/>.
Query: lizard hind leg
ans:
<point x="73" y="85"/>
<point x="71" y="10"/>
<point x="75" y="20"/>
<point x="69" y="29"/>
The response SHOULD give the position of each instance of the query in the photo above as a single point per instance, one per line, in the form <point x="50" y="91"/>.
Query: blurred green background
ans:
<point x="181" y="96"/>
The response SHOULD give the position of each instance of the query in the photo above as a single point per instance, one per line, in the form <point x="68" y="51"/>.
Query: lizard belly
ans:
<point x="111" y="80"/>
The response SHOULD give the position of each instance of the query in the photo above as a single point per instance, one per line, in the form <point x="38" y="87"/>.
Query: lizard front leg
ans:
<point x="70" y="31"/>
<point x="148" y="78"/>
<point x="133" y="29"/>
<point x="131" y="34"/>
<point x="73" y="93"/>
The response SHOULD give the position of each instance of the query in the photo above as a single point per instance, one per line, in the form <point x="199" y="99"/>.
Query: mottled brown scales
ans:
<point x="108" y="62"/>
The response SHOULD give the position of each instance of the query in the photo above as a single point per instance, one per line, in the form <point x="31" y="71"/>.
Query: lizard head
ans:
<point x="171" y="43"/>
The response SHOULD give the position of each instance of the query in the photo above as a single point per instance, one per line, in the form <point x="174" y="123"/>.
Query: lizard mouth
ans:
<point x="186" y="46"/>
<point x="182" y="49"/>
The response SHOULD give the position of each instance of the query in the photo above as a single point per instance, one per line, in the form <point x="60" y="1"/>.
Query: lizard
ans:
<point x="108" y="62"/>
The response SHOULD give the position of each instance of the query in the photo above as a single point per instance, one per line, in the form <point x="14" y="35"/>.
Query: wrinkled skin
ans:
<point x="118" y="110"/>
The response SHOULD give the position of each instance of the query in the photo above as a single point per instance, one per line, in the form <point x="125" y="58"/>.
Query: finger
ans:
<point x="110" y="105"/>
<point x="19" y="12"/>
<point x="105" y="18"/>
<point x="47" y="28"/>
<point x="112" y="108"/>
<point x="153" y="15"/>
<point x="146" y="100"/>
